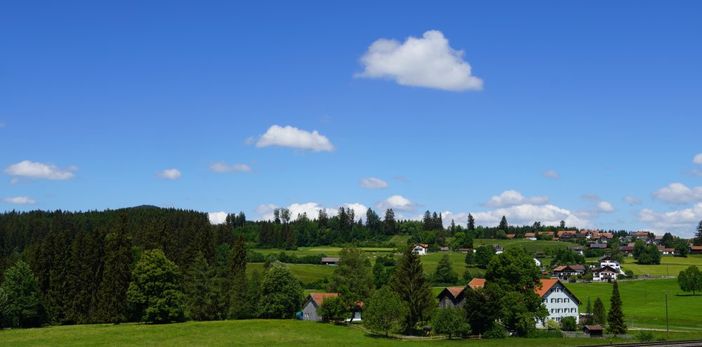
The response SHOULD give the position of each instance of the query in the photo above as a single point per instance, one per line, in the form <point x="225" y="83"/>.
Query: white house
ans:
<point x="605" y="273"/>
<point x="420" y="249"/>
<point x="537" y="262"/>
<point x="559" y="301"/>
<point x="606" y="261"/>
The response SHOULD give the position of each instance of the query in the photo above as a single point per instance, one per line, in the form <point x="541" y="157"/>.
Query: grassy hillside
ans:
<point x="644" y="302"/>
<point x="242" y="333"/>
<point x="670" y="266"/>
<point x="530" y="246"/>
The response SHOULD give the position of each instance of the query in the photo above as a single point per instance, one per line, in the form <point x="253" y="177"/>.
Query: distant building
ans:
<point x="530" y="236"/>
<point x="420" y="249"/>
<point x="451" y="297"/>
<point x="605" y="274"/>
<point x="312" y="304"/>
<point x="566" y="271"/>
<point x="330" y="261"/>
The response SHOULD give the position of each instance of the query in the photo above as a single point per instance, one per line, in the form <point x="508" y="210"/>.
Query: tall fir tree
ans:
<point x="201" y="299"/>
<point x="503" y="224"/>
<point x="238" y="303"/>
<point x="599" y="315"/>
<point x="112" y="292"/>
<point x="698" y="235"/>
<point x="413" y="288"/>
<point x="471" y="222"/>
<point x="615" y="318"/>
<point x="389" y="223"/>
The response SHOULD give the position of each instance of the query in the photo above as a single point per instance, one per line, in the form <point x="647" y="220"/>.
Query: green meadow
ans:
<point x="251" y="333"/>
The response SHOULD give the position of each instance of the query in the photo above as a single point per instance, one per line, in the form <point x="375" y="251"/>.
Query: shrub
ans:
<point x="568" y="324"/>
<point x="551" y="324"/>
<point x="645" y="336"/>
<point x="496" y="332"/>
<point x="450" y="321"/>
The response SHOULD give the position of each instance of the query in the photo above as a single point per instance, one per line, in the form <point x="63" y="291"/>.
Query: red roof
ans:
<point x="318" y="298"/>
<point x="455" y="291"/>
<point x="476" y="283"/>
<point x="546" y="285"/>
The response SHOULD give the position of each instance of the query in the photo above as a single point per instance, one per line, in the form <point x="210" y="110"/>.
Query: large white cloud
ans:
<point x="170" y="174"/>
<point x="217" y="217"/>
<point x="220" y="167"/>
<point x="681" y="222"/>
<point x="311" y="209"/>
<point x="20" y="200"/>
<point x="678" y="193"/>
<point x="428" y="61"/>
<point x="397" y="203"/>
<point x="36" y="170"/>
<point x="373" y="183"/>
<point x="289" y="136"/>
<point x="525" y="214"/>
<point x="513" y="197"/>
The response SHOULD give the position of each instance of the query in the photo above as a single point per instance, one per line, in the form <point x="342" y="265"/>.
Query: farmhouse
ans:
<point x="595" y="330"/>
<point x="313" y="303"/>
<point x="565" y="271"/>
<point x="420" y="249"/>
<point x="451" y="297"/>
<point x="330" y="261"/>
<point x="608" y="261"/>
<point x="605" y="273"/>
<point x="530" y="236"/>
<point x="559" y="301"/>
<point x="695" y="249"/>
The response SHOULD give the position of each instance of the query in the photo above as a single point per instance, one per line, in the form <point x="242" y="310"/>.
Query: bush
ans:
<point x="629" y="273"/>
<point x="568" y="324"/>
<point x="496" y="332"/>
<point x="645" y="336"/>
<point x="450" y="321"/>
<point x="551" y="324"/>
<point x="334" y="310"/>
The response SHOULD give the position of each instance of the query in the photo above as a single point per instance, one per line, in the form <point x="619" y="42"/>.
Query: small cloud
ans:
<point x="292" y="137"/>
<point x="513" y="197"/>
<point x="552" y="174"/>
<point x="632" y="200"/>
<point x="170" y="174"/>
<point x="697" y="159"/>
<point x="397" y="202"/>
<point x="428" y="62"/>
<point x="678" y="193"/>
<point x="36" y="170"/>
<point x="217" y="217"/>
<point x="590" y="197"/>
<point x="604" y="206"/>
<point x="220" y="167"/>
<point x="373" y="183"/>
<point x="20" y="200"/>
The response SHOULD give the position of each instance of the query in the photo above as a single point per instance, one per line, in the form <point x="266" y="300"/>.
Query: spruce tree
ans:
<point x="199" y="287"/>
<point x="599" y="315"/>
<point x="471" y="222"/>
<point x="698" y="236"/>
<point x="389" y="224"/>
<point x="112" y="292"/>
<point x="615" y="318"/>
<point x="238" y="304"/>
<point x="444" y="272"/>
<point x="503" y="224"/>
<point x="413" y="288"/>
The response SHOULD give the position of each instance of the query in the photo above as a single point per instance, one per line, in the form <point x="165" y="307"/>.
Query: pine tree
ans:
<point x="389" y="224"/>
<point x="112" y="292"/>
<point x="588" y="308"/>
<point x="199" y="288"/>
<point x="615" y="318"/>
<point x="471" y="222"/>
<point x="503" y="224"/>
<point x="413" y="288"/>
<point x="698" y="236"/>
<point x="444" y="272"/>
<point x="238" y="303"/>
<point x="599" y="315"/>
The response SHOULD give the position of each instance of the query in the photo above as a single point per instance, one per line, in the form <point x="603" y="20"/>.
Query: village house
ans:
<point x="695" y="249"/>
<point x="608" y="261"/>
<point x="330" y="261"/>
<point x="566" y="271"/>
<point x="605" y="273"/>
<point x="666" y="251"/>
<point x="597" y="245"/>
<point x="577" y="249"/>
<point x="312" y="304"/>
<point x="420" y="249"/>
<point x="557" y="299"/>
<point x="530" y="236"/>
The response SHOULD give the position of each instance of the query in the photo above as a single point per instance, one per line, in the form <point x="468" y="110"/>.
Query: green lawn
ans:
<point x="304" y="272"/>
<point x="644" y="302"/>
<point x="528" y="245"/>
<point x="326" y="250"/>
<point x="669" y="266"/>
<point x="243" y="333"/>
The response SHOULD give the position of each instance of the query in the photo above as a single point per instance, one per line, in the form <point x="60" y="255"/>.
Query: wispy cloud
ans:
<point x="513" y="197"/>
<point x="373" y="183"/>
<point x="398" y="203"/>
<point x="170" y="174"/>
<point x="20" y="200"/>
<point x="220" y="167"/>
<point x="37" y="170"/>
<point x="427" y="61"/>
<point x="552" y="174"/>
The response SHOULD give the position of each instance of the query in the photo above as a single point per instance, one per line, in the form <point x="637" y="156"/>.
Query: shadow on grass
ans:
<point x="689" y="294"/>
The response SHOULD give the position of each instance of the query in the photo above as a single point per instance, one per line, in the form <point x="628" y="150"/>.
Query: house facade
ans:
<point x="420" y="249"/>
<point x="451" y="297"/>
<point x="313" y="303"/>
<point x="566" y="271"/>
<point x="604" y="274"/>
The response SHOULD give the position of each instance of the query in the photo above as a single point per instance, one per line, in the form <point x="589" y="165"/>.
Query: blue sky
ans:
<point x="588" y="112"/>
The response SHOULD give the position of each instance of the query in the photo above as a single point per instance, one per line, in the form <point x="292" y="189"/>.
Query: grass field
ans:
<point x="246" y="333"/>
<point x="644" y="303"/>
<point x="670" y="266"/>
<point x="304" y="272"/>
<point x="528" y="245"/>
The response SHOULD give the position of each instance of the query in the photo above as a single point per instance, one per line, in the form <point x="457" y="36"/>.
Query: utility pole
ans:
<point x="667" y="327"/>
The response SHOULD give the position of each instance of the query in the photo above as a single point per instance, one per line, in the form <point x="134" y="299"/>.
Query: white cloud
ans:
<point x="311" y="209"/>
<point x="678" y="193"/>
<point x="552" y="174"/>
<point x="36" y="170"/>
<point x="681" y="222"/>
<point x="217" y="217"/>
<point x="697" y="159"/>
<point x="170" y="174"/>
<point x="513" y="197"/>
<point x="20" y="200"/>
<point x="632" y="200"/>
<point x="526" y="214"/>
<point x="289" y="136"/>
<point x="605" y="206"/>
<point x="221" y="167"/>
<point x="397" y="203"/>
<point x="428" y="61"/>
<point x="373" y="183"/>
